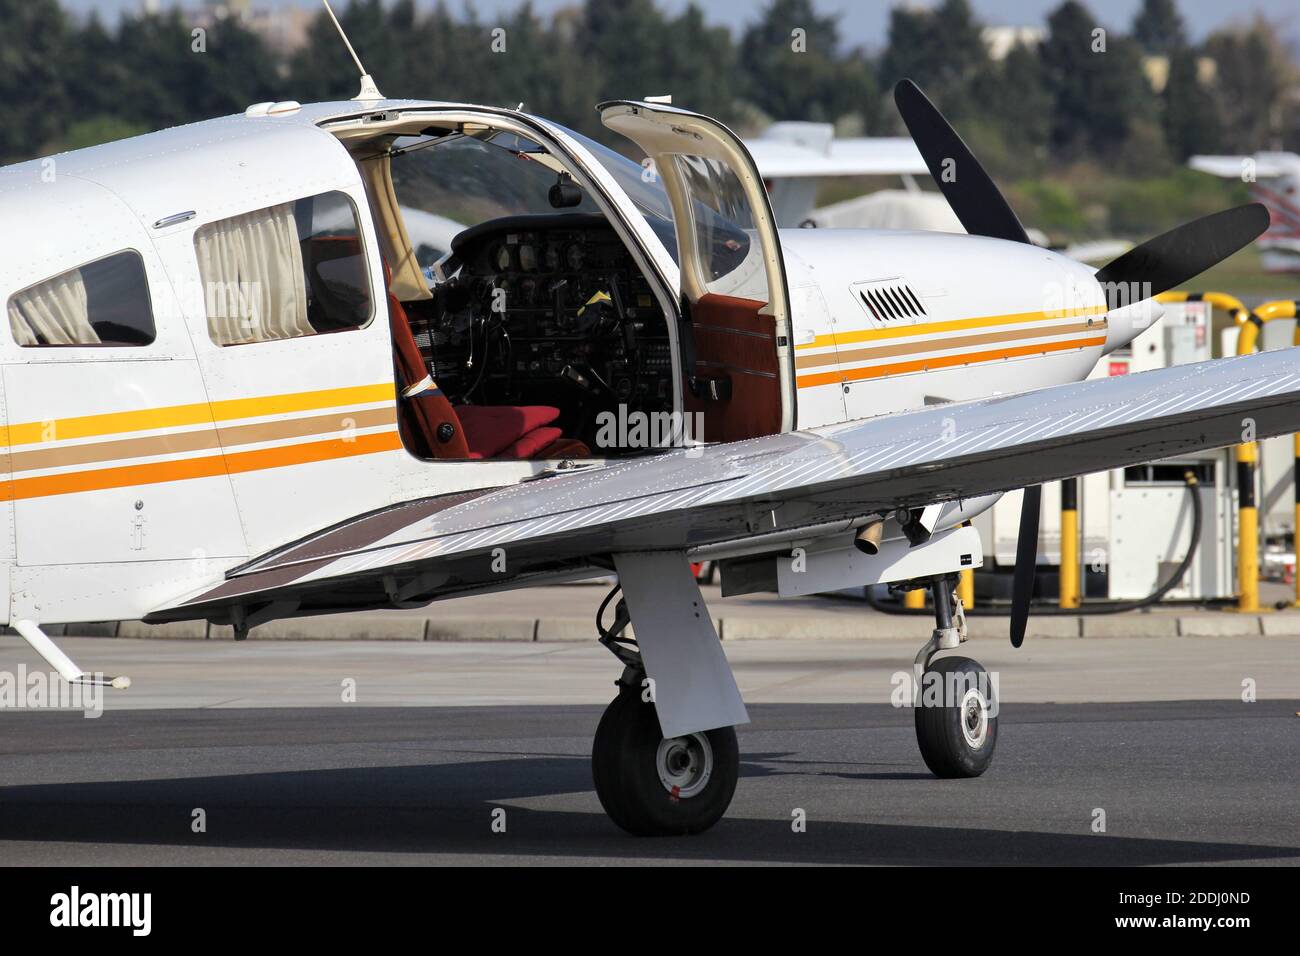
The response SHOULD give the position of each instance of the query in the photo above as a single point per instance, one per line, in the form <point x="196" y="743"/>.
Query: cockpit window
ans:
<point x="719" y="210"/>
<point x="724" y="228"/>
<point x="642" y="185"/>
<point x="445" y="184"/>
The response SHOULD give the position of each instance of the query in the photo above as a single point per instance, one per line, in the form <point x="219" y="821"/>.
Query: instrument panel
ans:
<point x="547" y="309"/>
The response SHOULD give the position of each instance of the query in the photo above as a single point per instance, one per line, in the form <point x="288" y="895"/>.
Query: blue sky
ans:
<point x="863" y="21"/>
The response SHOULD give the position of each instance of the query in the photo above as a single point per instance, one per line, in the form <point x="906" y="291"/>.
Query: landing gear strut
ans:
<point x="648" y="784"/>
<point x="955" y="703"/>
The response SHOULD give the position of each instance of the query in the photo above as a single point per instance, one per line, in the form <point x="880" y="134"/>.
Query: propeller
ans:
<point x="983" y="211"/>
<point x="978" y="203"/>
<point x="1022" y="583"/>
<point x="1182" y="253"/>
<point x="1158" y="264"/>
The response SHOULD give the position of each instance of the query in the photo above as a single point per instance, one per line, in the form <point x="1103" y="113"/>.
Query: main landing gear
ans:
<point x="954" y="701"/>
<point x="648" y="784"/>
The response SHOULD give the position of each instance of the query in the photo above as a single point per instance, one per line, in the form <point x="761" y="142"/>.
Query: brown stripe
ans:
<point x="274" y="578"/>
<point x="204" y="439"/>
<point x="358" y="533"/>
<point x="302" y="427"/>
<point x="932" y="345"/>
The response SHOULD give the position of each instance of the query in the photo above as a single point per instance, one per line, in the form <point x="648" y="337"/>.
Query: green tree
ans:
<point x="33" y="85"/>
<point x="322" y="70"/>
<point x="1253" y="73"/>
<point x="702" y="65"/>
<point x="1190" y="119"/>
<point x="97" y="76"/>
<point x="164" y="71"/>
<point x="942" y="50"/>
<point x="1102" y="105"/>
<point x="531" y="66"/>
<point x="236" y="71"/>
<point x="794" y="70"/>
<point x="1159" y="27"/>
<point x="622" y="47"/>
<point x="1011" y="130"/>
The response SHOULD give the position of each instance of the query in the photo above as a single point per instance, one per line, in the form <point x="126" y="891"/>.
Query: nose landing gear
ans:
<point x="955" y="703"/>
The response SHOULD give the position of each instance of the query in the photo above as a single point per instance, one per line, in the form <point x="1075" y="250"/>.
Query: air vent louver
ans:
<point x="889" y="301"/>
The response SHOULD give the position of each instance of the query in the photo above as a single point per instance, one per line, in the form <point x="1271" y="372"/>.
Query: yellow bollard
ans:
<point x="1247" y="461"/>
<point x="1295" y="485"/>
<point x="914" y="599"/>
<point x="1069" y="586"/>
<point x="1247" y="539"/>
<point x="1229" y="303"/>
<point x="1247" y="513"/>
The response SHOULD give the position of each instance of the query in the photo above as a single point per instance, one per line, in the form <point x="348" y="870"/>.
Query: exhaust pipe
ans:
<point x="868" y="539"/>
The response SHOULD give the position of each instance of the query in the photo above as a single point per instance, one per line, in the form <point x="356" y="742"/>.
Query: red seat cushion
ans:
<point x="532" y="443"/>
<point x="493" y="431"/>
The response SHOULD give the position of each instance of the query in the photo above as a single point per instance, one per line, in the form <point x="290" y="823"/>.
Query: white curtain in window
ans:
<point x="53" y="313"/>
<point x="252" y="272"/>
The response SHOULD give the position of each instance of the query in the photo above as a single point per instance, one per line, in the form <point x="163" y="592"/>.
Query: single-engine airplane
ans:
<point x="232" y="392"/>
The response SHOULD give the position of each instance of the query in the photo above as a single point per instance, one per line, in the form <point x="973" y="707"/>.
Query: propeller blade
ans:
<point x="1022" y="585"/>
<point x="979" y="205"/>
<point x="1172" y="258"/>
<point x="983" y="211"/>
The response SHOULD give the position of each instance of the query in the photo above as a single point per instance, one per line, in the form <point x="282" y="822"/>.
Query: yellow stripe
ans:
<point x="869" y="335"/>
<point x="941" y="361"/>
<point x="207" y="466"/>
<point x="198" y="413"/>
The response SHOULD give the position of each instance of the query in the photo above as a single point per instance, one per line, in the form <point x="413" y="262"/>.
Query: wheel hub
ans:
<point x="684" y="764"/>
<point x="974" y="718"/>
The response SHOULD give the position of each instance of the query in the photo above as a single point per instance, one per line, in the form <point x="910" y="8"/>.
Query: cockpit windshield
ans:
<point x="641" y="185"/>
<point x="446" y="183"/>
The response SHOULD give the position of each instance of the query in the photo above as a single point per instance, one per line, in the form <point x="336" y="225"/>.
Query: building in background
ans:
<point x="283" y="29"/>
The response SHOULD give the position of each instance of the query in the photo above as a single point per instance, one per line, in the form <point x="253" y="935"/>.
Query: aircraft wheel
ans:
<point x="652" y="786"/>
<point x="959" y="729"/>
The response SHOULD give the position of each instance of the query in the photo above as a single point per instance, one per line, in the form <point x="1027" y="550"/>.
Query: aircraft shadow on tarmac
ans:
<point x="445" y="808"/>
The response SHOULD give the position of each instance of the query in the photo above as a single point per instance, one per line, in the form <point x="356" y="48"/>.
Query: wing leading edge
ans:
<point x="687" y="498"/>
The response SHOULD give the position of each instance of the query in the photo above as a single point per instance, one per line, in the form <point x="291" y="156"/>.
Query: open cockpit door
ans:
<point x="736" y="322"/>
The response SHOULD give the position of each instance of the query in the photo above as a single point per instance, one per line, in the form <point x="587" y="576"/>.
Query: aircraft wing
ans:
<point x="882" y="156"/>
<point x="1230" y="167"/>
<point x="451" y="544"/>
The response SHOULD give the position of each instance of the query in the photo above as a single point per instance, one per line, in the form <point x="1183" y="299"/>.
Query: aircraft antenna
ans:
<point x="369" y="91"/>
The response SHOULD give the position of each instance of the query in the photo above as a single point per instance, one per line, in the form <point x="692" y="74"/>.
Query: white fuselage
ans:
<point x="138" y="475"/>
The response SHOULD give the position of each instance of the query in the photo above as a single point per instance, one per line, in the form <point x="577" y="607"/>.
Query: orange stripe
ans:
<point x="943" y="361"/>
<point x="208" y="466"/>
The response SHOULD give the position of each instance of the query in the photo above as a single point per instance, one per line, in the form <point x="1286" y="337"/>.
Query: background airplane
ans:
<point x="1274" y="180"/>
<point x="796" y="157"/>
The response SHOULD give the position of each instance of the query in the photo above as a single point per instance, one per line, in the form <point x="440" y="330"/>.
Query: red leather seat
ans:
<point x="436" y="429"/>
<point x="494" y="430"/>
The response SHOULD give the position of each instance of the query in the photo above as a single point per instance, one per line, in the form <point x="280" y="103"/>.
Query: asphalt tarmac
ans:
<point x="1179" y="782"/>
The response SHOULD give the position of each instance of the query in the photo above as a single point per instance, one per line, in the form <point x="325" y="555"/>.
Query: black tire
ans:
<point x="625" y="766"/>
<point x="949" y="750"/>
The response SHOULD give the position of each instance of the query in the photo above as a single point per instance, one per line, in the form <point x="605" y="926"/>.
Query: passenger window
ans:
<point x="103" y="303"/>
<point x="284" y="272"/>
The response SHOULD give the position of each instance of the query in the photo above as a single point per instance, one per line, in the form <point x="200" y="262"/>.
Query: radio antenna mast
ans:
<point x="369" y="91"/>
